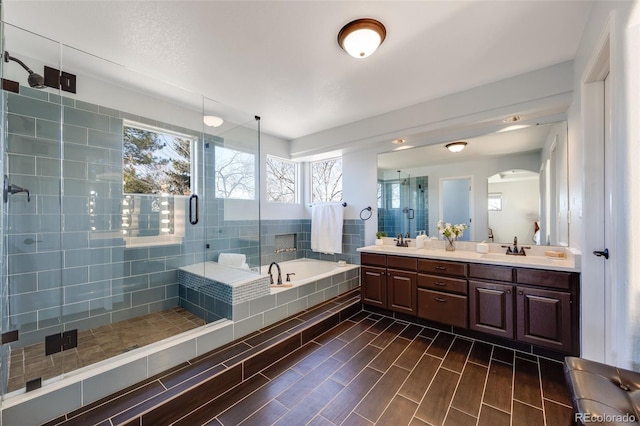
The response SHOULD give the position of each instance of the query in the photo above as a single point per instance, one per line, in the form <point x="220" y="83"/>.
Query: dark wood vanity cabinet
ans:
<point x="533" y="306"/>
<point x="391" y="287"/>
<point x="546" y="314"/>
<point x="442" y="292"/>
<point x="491" y="308"/>
<point x="373" y="286"/>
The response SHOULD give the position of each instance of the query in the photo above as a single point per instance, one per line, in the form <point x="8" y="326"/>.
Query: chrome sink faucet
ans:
<point x="279" y="273"/>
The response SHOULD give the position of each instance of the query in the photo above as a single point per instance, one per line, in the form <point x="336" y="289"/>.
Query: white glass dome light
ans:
<point x="212" y="121"/>
<point x="360" y="38"/>
<point x="456" y="146"/>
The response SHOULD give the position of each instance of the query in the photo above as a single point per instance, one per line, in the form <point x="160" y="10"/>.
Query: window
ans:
<point x="326" y="180"/>
<point x="235" y="174"/>
<point x="282" y="180"/>
<point x="155" y="160"/>
<point x="495" y="202"/>
<point x="395" y="195"/>
<point x="156" y="170"/>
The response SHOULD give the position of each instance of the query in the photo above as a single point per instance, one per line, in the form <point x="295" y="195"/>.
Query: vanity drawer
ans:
<point x="442" y="267"/>
<point x="490" y="272"/>
<point x="439" y="283"/>
<point x="555" y="279"/>
<point x="402" y="262"/>
<point x="442" y="307"/>
<point x="373" y="259"/>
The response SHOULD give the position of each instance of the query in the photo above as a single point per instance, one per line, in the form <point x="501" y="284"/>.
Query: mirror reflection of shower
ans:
<point x="403" y="204"/>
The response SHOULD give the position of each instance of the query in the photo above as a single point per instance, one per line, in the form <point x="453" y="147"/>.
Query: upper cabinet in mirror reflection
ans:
<point x="540" y="149"/>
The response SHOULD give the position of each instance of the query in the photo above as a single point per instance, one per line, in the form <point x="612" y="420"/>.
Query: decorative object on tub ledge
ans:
<point x="451" y="233"/>
<point x="326" y="227"/>
<point x="342" y="263"/>
<point x="365" y="210"/>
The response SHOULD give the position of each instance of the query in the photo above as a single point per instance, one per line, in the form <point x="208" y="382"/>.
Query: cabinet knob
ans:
<point x="508" y="291"/>
<point x="521" y="292"/>
<point x="440" y="299"/>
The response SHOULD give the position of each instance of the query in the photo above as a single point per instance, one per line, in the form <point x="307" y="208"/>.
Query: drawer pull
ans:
<point x="440" y="283"/>
<point x="441" y="268"/>
<point x="440" y="299"/>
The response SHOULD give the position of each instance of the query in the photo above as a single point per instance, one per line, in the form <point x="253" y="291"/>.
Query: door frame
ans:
<point x="600" y="318"/>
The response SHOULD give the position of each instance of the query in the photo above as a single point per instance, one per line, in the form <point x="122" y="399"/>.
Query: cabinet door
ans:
<point x="544" y="318"/>
<point x="401" y="291"/>
<point x="491" y="308"/>
<point x="373" y="286"/>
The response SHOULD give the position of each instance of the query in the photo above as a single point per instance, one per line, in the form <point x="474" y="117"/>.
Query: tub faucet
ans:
<point x="279" y="273"/>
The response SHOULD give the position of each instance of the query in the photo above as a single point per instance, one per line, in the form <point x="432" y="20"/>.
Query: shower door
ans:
<point x="32" y="274"/>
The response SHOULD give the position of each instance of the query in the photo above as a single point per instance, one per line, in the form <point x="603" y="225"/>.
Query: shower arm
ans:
<point x="8" y="57"/>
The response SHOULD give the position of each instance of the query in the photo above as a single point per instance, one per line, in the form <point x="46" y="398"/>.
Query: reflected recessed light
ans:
<point x="514" y="127"/>
<point x="402" y="148"/>
<point x="456" y="146"/>
<point x="398" y="141"/>
<point x="512" y="119"/>
<point x="212" y="121"/>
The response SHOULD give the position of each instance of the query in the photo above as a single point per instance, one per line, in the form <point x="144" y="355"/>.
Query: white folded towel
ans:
<point x="326" y="228"/>
<point x="232" y="259"/>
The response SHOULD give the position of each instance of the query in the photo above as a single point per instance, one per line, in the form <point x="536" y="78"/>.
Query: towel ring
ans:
<point x="364" y="210"/>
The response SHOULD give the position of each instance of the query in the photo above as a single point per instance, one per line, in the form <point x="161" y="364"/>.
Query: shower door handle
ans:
<point x="193" y="220"/>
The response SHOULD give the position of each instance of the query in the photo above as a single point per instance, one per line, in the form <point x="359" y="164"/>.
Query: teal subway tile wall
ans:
<point x="68" y="265"/>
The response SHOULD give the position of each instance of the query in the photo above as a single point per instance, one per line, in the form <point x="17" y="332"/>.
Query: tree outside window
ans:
<point x="235" y="174"/>
<point x="281" y="180"/>
<point x="326" y="180"/>
<point x="155" y="161"/>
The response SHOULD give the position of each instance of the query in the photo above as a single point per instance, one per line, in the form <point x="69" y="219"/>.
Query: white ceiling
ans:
<point x="280" y="60"/>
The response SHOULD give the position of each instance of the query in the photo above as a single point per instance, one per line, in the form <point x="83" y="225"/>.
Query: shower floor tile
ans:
<point x="95" y="345"/>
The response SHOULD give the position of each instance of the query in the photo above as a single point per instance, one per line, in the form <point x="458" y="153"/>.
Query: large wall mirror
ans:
<point x="515" y="183"/>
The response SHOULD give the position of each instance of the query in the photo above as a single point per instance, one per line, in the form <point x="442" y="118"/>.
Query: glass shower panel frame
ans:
<point x="32" y="278"/>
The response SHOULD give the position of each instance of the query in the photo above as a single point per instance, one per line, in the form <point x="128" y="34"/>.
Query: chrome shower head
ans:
<point x="35" y="80"/>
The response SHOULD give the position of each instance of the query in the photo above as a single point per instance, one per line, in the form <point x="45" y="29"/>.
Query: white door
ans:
<point x="455" y="199"/>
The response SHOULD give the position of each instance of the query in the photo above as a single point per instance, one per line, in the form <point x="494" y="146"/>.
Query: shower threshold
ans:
<point x="98" y="344"/>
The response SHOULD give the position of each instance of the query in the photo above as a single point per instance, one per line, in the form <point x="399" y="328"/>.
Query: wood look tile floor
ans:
<point x="98" y="344"/>
<point x="372" y="369"/>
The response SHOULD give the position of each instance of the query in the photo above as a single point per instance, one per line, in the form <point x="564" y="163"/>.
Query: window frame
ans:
<point x="296" y="180"/>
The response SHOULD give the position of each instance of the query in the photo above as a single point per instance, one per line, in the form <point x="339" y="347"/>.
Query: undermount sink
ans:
<point x="534" y="260"/>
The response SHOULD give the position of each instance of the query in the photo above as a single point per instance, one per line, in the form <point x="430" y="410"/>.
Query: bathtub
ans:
<point x="306" y="270"/>
<point x="214" y="291"/>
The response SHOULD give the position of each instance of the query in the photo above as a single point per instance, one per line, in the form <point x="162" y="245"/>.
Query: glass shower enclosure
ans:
<point x="112" y="183"/>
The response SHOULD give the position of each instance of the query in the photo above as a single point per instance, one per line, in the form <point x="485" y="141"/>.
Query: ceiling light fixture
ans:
<point x="212" y="121"/>
<point x="456" y="146"/>
<point x="398" y="141"/>
<point x="360" y="38"/>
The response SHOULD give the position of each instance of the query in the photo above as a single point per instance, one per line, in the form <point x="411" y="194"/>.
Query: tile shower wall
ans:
<point x="64" y="263"/>
<point x="352" y="238"/>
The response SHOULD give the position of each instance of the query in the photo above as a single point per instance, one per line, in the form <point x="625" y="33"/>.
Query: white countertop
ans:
<point x="465" y="252"/>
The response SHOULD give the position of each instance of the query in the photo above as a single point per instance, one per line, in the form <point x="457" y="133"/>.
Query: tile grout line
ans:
<point x="484" y="388"/>
<point x="457" y="383"/>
